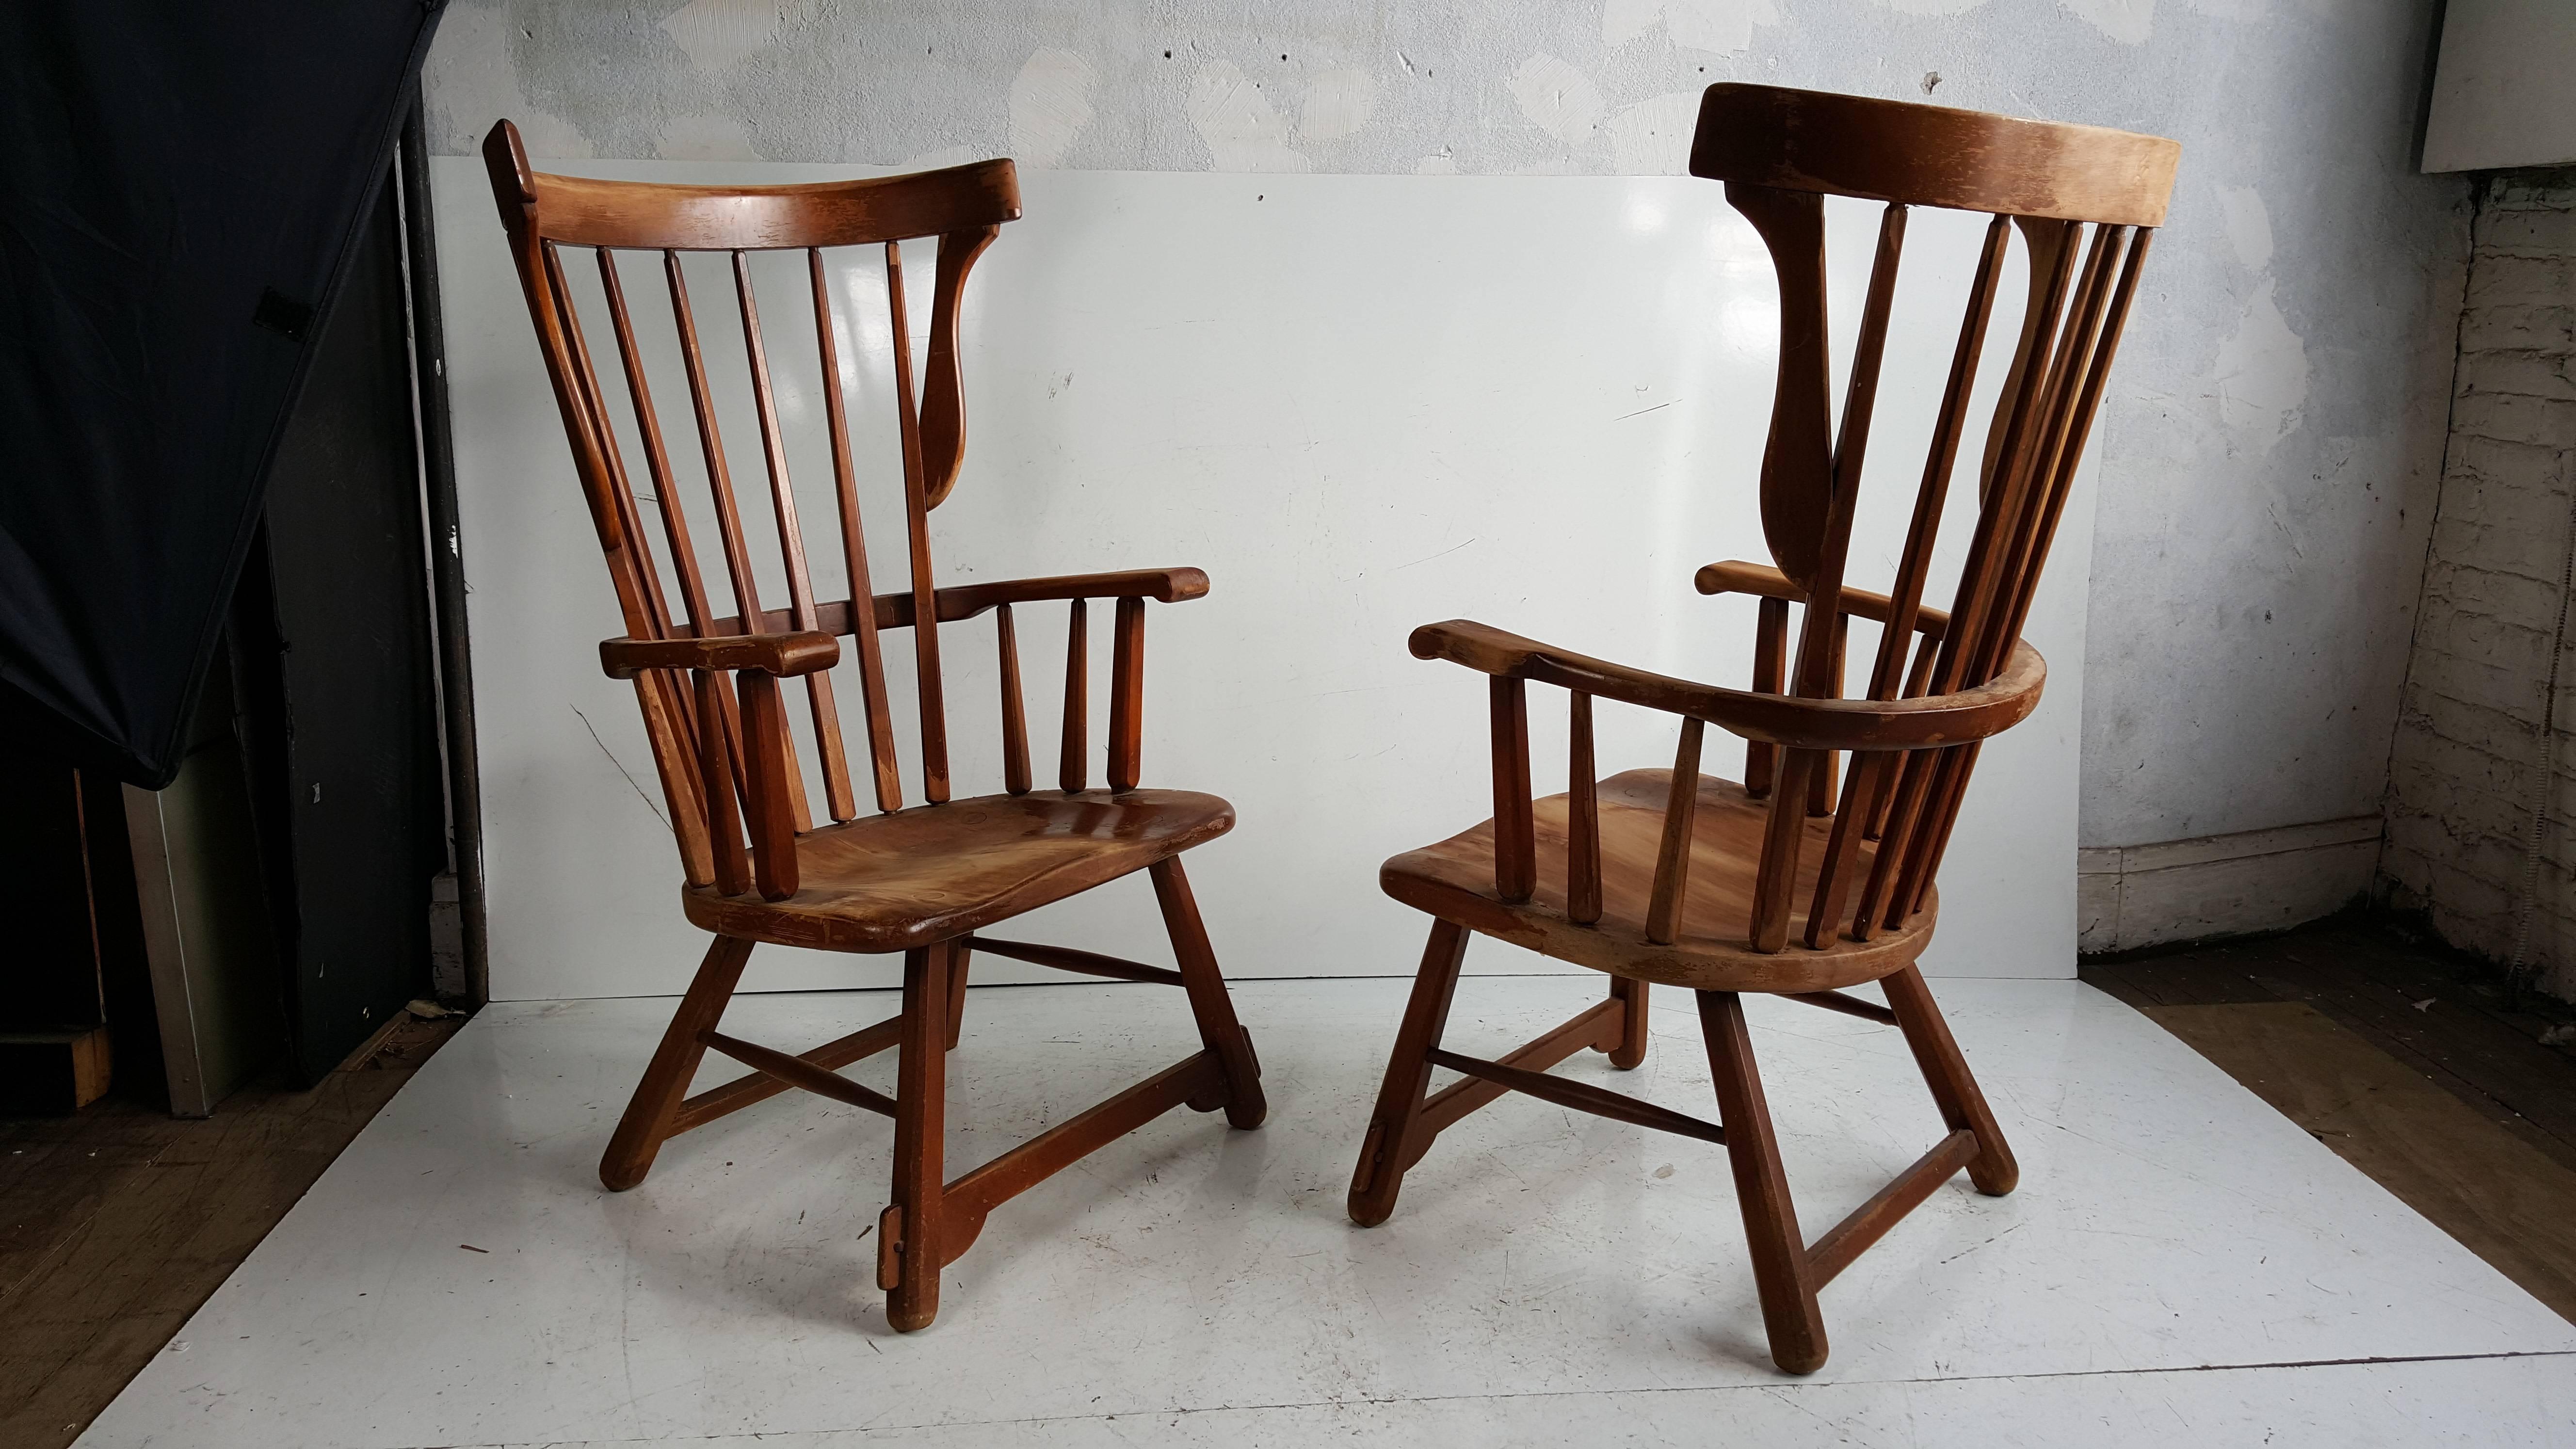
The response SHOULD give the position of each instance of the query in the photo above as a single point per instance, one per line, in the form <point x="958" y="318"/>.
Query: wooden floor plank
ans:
<point x="2464" y="1169"/>
<point x="117" y="1223"/>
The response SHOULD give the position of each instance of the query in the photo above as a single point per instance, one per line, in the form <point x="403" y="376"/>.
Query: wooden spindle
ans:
<point x="1824" y="628"/>
<point x="1515" y="830"/>
<point x="1914" y="565"/>
<point x="657" y="455"/>
<point x="1986" y="644"/>
<point x="1015" y="724"/>
<point x="669" y="721"/>
<point x="2028" y="382"/>
<point x="1933" y="832"/>
<point x="916" y="508"/>
<point x="854" y="551"/>
<point x="622" y="535"/>
<point x="791" y="549"/>
<point x="1127" y="695"/>
<point x="729" y="532"/>
<point x="1671" y="898"/>
<point x="1073" y="766"/>
<point x="1982" y="627"/>
<point x="2103" y="343"/>
<point x="1851" y="822"/>
<point x="1583" y="817"/>
<point x="1775" y="875"/>
<point x="773" y="828"/>
<point x="737" y="557"/>
<point x="715" y="777"/>
<point x="1820" y="781"/>
<point x="1905" y="802"/>
<point x="1770" y="647"/>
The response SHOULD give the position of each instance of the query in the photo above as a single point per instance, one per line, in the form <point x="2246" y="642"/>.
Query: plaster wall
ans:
<point x="2272" y="448"/>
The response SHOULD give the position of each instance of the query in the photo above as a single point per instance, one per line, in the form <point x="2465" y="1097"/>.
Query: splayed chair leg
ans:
<point x="957" y="993"/>
<point x="657" y="1098"/>
<point x="1219" y="1032"/>
<point x="1780" y="1273"/>
<point x="1954" y="1088"/>
<point x="1388" y="1149"/>
<point x="909" y="1256"/>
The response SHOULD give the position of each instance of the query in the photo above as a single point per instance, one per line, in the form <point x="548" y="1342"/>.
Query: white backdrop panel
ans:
<point x="1361" y="403"/>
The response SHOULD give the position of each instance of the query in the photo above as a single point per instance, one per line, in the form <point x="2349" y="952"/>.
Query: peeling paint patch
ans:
<point x="481" y="85"/>
<point x="2249" y="225"/>
<point x="2129" y="22"/>
<point x="2262" y="375"/>
<point x="720" y="34"/>
<point x="1653" y="137"/>
<point x="1721" y="26"/>
<point x="1050" y="106"/>
<point x="705" y="138"/>
<point x="944" y="156"/>
<point x="1338" y="103"/>
<point x="1243" y="131"/>
<point x="1557" y="98"/>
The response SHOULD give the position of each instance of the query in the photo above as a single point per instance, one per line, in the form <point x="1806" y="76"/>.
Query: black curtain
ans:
<point x="181" y="189"/>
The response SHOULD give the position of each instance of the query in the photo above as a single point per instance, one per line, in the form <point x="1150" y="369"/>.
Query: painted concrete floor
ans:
<point x="2181" y="1263"/>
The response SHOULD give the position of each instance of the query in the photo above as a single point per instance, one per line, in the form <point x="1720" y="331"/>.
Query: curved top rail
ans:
<point x="1923" y="155"/>
<point x="658" y="216"/>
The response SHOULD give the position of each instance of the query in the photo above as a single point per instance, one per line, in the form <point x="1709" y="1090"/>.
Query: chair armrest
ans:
<point x="778" y="655"/>
<point x="1735" y="576"/>
<point x="965" y="601"/>
<point x="1803" y="724"/>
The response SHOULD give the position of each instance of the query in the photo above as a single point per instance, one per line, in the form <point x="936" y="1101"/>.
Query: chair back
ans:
<point x="551" y="218"/>
<point x="2085" y="202"/>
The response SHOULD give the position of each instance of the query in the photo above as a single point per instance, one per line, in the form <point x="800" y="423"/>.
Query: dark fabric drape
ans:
<point x="180" y="188"/>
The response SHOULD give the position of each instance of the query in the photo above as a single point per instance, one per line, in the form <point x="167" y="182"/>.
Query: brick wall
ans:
<point x="2468" y="749"/>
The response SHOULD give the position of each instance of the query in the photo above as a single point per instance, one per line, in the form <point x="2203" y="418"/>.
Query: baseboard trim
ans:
<point x="2221" y="885"/>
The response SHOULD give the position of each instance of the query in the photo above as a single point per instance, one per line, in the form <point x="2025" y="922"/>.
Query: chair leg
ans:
<point x="957" y="992"/>
<point x="647" y="1121"/>
<point x="909" y="1256"/>
<point x="1780" y="1274"/>
<point x="1386" y="1152"/>
<point x="1945" y="1071"/>
<point x="1630" y="1053"/>
<point x="1245" y="1106"/>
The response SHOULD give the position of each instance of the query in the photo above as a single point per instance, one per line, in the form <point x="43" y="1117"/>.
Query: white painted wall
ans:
<point x="2274" y="437"/>
<point x="1361" y="403"/>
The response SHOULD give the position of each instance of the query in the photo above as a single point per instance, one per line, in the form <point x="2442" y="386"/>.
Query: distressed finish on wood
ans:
<point x="1816" y="873"/>
<point x="732" y="688"/>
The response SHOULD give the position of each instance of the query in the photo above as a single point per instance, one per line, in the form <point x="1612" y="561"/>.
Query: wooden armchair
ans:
<point x="925" y="880"/>
<point x="1792" y="882"/>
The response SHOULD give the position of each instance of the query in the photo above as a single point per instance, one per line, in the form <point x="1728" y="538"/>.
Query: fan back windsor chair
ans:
<point x="924" y="880"/>
<point x="1784" y="884"/>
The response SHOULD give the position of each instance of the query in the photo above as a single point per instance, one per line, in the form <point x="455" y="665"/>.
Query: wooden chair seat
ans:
<point x="905" y="880"/>
<point x="1454" y="880"/>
